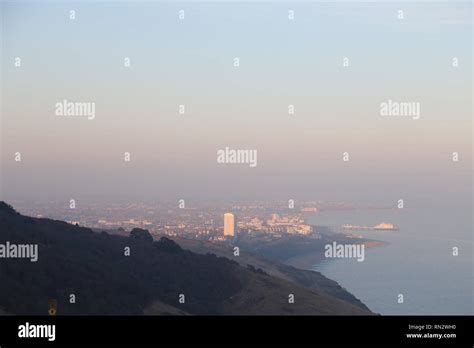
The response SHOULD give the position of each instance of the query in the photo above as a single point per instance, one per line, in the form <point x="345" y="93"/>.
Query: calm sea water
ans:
<point x="417" y="261"/>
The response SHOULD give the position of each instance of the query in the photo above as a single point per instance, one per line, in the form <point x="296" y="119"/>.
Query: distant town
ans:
<point x="209" y="222"/>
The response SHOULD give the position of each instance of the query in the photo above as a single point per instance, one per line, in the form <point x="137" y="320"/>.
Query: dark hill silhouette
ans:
<point x="93" y="267"/>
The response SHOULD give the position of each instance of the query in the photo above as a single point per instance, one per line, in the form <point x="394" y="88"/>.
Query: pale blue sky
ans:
<point x="190" y="62"/>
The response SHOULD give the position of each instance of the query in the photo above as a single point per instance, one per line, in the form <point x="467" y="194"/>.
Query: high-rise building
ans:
<point x="230" y="225"/>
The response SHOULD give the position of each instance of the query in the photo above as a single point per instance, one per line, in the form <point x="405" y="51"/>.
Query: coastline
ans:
<point x="309" y="260"/>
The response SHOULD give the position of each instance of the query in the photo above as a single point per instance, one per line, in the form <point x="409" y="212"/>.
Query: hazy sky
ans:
<point x="282" y="62"/>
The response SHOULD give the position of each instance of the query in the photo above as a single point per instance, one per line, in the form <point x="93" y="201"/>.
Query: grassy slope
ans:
<point x="309" y="279"/>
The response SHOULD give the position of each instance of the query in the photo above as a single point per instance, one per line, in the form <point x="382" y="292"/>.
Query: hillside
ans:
<point x="93" y="267"/>
<point x="310" y="279"/>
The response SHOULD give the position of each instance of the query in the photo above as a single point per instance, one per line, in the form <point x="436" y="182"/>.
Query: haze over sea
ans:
<point x="417" y="261"/>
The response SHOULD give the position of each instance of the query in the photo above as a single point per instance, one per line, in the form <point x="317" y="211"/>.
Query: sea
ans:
<point x="416" y="261"/>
